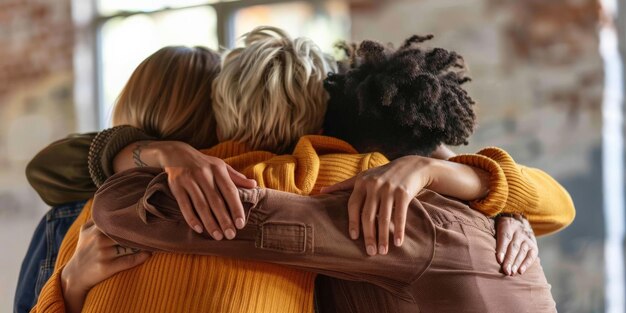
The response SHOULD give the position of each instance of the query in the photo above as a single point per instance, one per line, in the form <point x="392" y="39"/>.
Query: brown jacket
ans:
<point x="446" y="264"/>
<point x="282" y="228"/>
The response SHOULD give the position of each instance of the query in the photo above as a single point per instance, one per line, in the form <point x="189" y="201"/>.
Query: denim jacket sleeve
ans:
<point x="137" y="209"/>
<point x="38" y="264"/>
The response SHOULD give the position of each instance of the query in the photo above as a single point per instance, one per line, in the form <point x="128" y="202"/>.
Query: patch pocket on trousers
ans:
<point x="285" y="237"/>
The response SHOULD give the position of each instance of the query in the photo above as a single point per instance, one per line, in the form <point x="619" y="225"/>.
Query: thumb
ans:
<point x="240" y="180"/>
<point x="344" y="185"/>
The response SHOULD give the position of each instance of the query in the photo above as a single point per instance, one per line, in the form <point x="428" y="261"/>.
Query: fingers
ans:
<point x="230" y="193"/>
<point x="107" y="248"/>
<point x="504" y="236"/>
<point x="511" y="253"/>
<point x="204" y="191"/>
<point x="354" y="212"/>
<point x="218" y="207"/>
<point x="344" y="185"/>
<point x="128" y="261"/>
<point x="530" y="259"/>
<point x="516" y="246"/>
<point x="203" y="210"/>
<point x="402" y="200"/>
<point x="119" y="250"/>
<point x="384" y="219"/>
<point x="523" y="251"/>
<point x="368" y="217"/>
<point x="185" y="207"/>
<point x="240" y="180"/>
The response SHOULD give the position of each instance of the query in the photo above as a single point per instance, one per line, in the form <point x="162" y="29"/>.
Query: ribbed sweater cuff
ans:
<point x="522" y="193"/>
<point x="496" y="200"/>
<point x="106" y="145"/>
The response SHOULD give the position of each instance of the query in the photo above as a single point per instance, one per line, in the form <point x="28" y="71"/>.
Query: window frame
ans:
<point x="89" y="21"/>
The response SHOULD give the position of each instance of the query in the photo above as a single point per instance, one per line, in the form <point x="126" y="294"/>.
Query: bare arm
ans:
<point x="204" y="186"/>
<point x="70" y="169"/>
<point x="532" y="192"/>
<point x="382" y="194"/>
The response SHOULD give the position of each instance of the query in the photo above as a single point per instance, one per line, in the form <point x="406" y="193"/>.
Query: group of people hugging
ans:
<point x="274" y="178"/>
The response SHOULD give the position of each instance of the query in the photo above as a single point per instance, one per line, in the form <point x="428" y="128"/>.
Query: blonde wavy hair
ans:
<point x="169" y="96"/>
<point x="271" y="91"/>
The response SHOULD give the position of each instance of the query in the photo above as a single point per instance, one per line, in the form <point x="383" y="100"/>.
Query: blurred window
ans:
<point x="129" y="31"/>
<point x="325" y="22"/>
<point x="111" y="7"/>
<point x="126" y="41"/>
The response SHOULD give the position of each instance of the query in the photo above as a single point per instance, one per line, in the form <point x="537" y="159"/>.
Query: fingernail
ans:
<point x="217" y="235"/>
<point x="508" y="269"/>
<point x="514" y="270"/>
<point x="240" y="223"/>
<point x="198" y="229"/>
<point x="371" y="250"/>
<point x="522" y="269"/>
<point x="500" y="257"/>
<point x="353" y="234"/>
<point x="382" y="249"/>
<point x="398" y="242"/>
<point x="230" y="234"/>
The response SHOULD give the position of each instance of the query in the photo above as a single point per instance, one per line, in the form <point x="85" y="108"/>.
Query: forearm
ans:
<point x="457" y="180"/>
<point x="137" y="154"/>
<point x="320" y="244"/>
<point x="531" y="192"/>
<point x="148" y="153"/>
<point x="107" y="145"/>
<point x="70" y="169"/>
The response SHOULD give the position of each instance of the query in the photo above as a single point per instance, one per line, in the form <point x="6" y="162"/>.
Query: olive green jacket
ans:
<point x="71" y="169"/>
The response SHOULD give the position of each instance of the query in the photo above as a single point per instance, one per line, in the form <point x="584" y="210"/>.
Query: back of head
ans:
<point x="169" y="96"/>
<point x="271" y="91"/>
<point x="400" y="102"/>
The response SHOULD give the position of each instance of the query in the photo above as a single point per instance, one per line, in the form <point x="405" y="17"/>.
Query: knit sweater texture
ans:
<point x="193" y="283"/>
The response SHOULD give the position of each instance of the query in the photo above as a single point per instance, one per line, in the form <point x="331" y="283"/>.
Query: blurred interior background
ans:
<point x="547" y="76"/>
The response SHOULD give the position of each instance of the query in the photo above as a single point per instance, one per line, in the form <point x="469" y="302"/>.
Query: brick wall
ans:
<point x="35" y="89"/>
<point x="537" y="78"/>
<point x="36" y="43"/>
<point x="36" y="37"/>
<point x="538" y="81"/>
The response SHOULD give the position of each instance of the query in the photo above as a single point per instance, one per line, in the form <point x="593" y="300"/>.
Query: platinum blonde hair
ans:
<point x="271" y="92"/>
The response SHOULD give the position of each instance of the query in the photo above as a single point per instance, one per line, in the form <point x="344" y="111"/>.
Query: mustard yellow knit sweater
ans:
<point x="192" y="283"/>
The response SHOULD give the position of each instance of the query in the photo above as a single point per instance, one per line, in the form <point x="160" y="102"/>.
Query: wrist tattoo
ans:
<point x="137" y="155"/>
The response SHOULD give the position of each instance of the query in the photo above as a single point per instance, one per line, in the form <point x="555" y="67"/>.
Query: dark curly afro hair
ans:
<point x="399" y="102"/>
